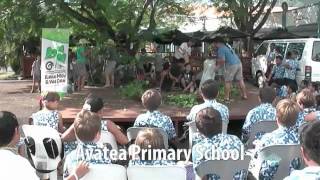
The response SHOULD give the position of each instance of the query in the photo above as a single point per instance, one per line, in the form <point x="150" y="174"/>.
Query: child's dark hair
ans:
<point x="209" y="122"/>
<point x="166" y="66"/>
<point x="315" y="86"/>
<point x="151" y="99"/>
<point x="310" y="140"/>
<point x="289" y="54"/>
<point x="210" y="89"/>
<point x="292" y="86"/>
<point x="8" y="125"/>
<point x="267" y="95"/>
<point x="279" y="57"/>
<point x="51" y="96"/>
<point x="96" y="103"/>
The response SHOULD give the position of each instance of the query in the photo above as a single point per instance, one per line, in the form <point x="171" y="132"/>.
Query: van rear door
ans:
<point x="315" y="63"/>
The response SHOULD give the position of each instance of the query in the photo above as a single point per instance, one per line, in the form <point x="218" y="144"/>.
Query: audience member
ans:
<point x="290" y="71"/>
<point x="87" y="127"/>
<point x="310" y="148"/>
<point x="264" y="112"/>
<point x="306" y="101"/>
<point x="49" y="115"/>
<point x="287" y="133"/>
<point x="209" y="124"/>
<point x="151" y="100"/>
<point x="277" y="72"/>
<point x="150" y="139"/>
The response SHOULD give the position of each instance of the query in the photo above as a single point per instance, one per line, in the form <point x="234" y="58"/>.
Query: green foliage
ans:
<point x="134" y="89"/>
<point x="234" y="92"/>
<point x="182" y="100"/>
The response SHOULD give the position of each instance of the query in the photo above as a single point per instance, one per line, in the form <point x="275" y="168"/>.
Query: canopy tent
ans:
<point x="279" y="33"/>
<point x="225" y="31"/>
<point x="175" y="36"/>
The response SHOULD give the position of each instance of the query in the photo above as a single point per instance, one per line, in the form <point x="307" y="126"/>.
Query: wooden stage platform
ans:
<point x="123" y="111"/>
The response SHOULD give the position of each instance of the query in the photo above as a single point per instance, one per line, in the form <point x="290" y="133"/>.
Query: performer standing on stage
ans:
<point x="233" y="68"/>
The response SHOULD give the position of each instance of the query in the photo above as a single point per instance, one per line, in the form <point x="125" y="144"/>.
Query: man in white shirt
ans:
<point x="12" y="165"/>
<point x="183" y="51"/>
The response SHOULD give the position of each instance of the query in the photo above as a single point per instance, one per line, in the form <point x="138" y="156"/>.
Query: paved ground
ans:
<point x="15" y="96"/>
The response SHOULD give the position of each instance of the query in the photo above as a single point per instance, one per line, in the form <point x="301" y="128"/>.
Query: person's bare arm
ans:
<point x="220" y="63"/>
<point x="81" y="170"/>
<point x="118" y="134"/>
<point x="69" y="134"/>
<point x="161" y="79"/>
<point x="60" y="124"/>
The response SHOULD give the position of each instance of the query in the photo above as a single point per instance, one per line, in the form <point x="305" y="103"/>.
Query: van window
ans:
<point x="298" y="48"/>
<point x="262" y="50"/>
<point x="316" y="51"/>
<point x="281" y="47"/>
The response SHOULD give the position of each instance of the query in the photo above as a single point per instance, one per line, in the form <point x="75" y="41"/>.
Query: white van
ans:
<point x="308" y="57"/>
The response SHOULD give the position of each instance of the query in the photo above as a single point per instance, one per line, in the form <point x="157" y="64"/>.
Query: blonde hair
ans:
<point x="306" y="98"/>
<point x="87" y="125"/>
<point x="287" y="112"/>
<point x="150" y="137"/>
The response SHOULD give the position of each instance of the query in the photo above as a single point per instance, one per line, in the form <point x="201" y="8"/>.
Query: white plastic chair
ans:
<point x="132" y="133"/>
<point x="226" y="169"/>
<point x="284" y="154"/>
<point x="193" y="129"/>
<point x="106" y="172"/>
<point x="107" y="137"/>
<point x="156" y="173"/>
<point x="261" y="126"/>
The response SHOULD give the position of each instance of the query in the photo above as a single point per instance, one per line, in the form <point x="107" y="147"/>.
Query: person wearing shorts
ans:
<point x="81" y="61"/>
<point x="233" y="68"/>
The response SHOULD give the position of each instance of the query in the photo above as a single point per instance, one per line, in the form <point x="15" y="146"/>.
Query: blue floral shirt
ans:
<point x="151" y="163"/>
<point x="89" y="152"/>
<point x="263" y="112"/>
<point x="70" y="146"/>
<point x="156" y="119"/>
<point x="282" y="135"/>
<point x="291" y="73"/>
<point x="309" y="173"/>
<point x="220" y="142"/>
<point x="46" y="118"/>
<point x="224" y="111"/>
<point x="277" y="72"/>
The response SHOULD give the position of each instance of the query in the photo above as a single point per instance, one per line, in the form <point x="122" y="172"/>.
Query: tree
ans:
<point x="248" y="15"/>
<point x="121" y="20"/>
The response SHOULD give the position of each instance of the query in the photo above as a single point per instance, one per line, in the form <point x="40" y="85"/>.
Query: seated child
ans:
<point x="287" y="133"/>
<point x="209" y="124"/>
<point x="306" y="101"/>
<point x="188" y="79"/>
<point x="288" y="91"/>
<point x="209" y="92"/>
<point x="95" y="105"/>
<point x="151" y="100"/>
<point x="149" y="139"/>
<point x="276" y="75"/>
<point x="49" y="115"/>
<point x="167" y="80"/>
<point x="310" y="148"/>
<point x="264" y="112"/>
<point x="87" y="127"/>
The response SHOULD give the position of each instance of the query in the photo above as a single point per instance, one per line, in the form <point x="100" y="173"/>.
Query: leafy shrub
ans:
<point x="182" y="100"/>
<point x="134" y="89"/>
<point x="234" y="92"/>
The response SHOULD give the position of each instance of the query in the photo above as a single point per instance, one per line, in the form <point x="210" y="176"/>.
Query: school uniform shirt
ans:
<point x="263" y="112"/>
<point x="318" y="115"/>
<point x="220" y="142"/>
<point x="310" y="173"/>
<point x="277" y="72"/>
<point x="70" y="146"/>
<point x="15" y="167"/>
<point x="224" y="111"/>
<point x="282" y="135"/>
<point x="46" y="118"/>
<point x="156" y="119"/>
<point x="151" y="163"/>
<point x="83" y="153"/>
<point x="291" y="73"/>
